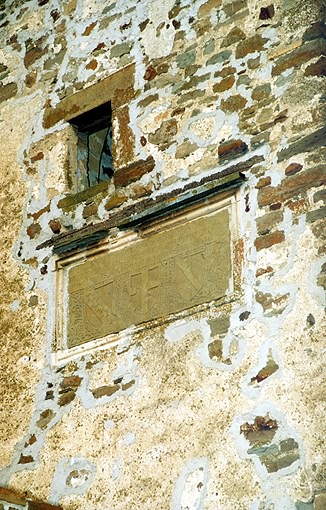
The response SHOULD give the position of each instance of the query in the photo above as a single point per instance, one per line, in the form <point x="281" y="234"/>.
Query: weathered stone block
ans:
<point x="316" y="215"/>
<point x="269" y="240"/>
<point x="120" y="49"/>
<point x="226" y="84"/>
<point x="233" y="8"/>
<point x="299" y="56"/>
<point x="293" y="168"/>
<point x="116" y="199"/>
<point x="133" y="172"/>
<point x="219" y="58"/>
<point x="11" y="496"/>
<point x="234" y="36"/>
<point x="232" y="149"/>
<point x="38" y="505"/>
<point x="164" y="135"/>
<point x="316" y="69"/>
<point x="250" y="45"/>
<point x="7" y="91"/>
<point x="267" y="222"/>
<point x="117" y="88"/>
<point x="234" y="103"/>
<point x="292" y="186"/>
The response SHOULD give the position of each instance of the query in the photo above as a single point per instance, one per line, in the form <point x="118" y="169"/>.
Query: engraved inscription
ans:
<point x="169" y="271"/>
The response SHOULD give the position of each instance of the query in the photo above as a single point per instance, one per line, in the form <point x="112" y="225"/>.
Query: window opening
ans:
<point x="94" y="146"/>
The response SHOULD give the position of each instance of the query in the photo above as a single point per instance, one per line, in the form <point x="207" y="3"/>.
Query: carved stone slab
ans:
<point x="164" y="272"/>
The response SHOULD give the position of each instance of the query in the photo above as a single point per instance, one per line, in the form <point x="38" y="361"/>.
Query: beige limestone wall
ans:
<point x="219" y="407"/>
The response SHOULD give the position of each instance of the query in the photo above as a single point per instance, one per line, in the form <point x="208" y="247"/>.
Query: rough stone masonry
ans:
<point x="213" y="104"/>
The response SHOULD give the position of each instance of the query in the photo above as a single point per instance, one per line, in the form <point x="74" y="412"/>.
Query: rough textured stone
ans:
<point x="267" y="222"/>
<point x="232" y="149"/>
<point x="292" y="186"/>
<point x="317" y="68"/>
<point x="299" y="56"/>
<point x="225" y="84"/>
<point x="37" y="505"/>
<point x="7" y="91"/>
<point x="12" y="496"/>
<point x="219" y="58"/>
<point x="120" y="49"/>
<point x="126" y="175"/>
<point x="234" y="7"/>
<point x="269" y="240"/>
<point x="117" y="88"/>
<point x="293" y="168"/>
<point x="234" y="103"/>
<point x="267" y="12"/>
<point x="105" y="391"/>
<point x="234" y="36"/>
<point x="250" y="45"/>
<point x="186" y="59"/>
<point x="164" y="135"/>
<point x="115" y="200"/>
<point x="316" y="215"/>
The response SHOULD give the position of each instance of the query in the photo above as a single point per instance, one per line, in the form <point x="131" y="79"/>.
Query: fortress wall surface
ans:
<point x="163" y="330"/>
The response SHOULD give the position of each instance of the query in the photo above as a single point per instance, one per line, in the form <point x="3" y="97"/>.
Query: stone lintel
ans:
<point x="117" y="88"/>
<point x="150" y="207"/>
<point x="217" y="182"/>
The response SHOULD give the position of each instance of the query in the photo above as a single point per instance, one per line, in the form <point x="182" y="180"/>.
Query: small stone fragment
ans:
<point x="267" y="12"/>
<point x="55" y="226"/>
<point x="310" y="320"/>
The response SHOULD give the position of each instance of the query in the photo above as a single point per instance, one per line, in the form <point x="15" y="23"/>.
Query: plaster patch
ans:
<point x="191" y="486"/>
<point x="159" y="42"/>
<point x="72" y="476"/>
<point x="178" y="330"/>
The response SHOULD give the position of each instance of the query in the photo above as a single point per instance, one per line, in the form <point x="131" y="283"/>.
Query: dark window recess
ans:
<point x="94" y="146"/>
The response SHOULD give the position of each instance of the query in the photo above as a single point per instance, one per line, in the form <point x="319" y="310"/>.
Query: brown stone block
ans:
<point x="269" y="240"/>
<point x="292" y="186"/>
<point x="234" y="36"/>
<point x="32" y="55"/>
<point x="38" y="505"/>
<point x="66" y="398"/>
<point x="11" y="496"/>
<point x="267" y="222"/>
<point x="7" y="91"/>
<point x="233" y="103"/>
<point x="117" y="88"/>
<point x="71" y="381"/>
<point x="123" y="148"/>
<point x="115" y="200"/>
<point x="105" y="391"/>
<point x="33" y="230"/>
<point x="306" y="144"/>
<point x="232" y="149"/>
<point x="315" y="31"/>
<point x="225" y="84"/>
<point x="131" y="173"/>
<point x="233" y="8"/>
<point x="164" y="135"/>
<point x="299" y="56"/>
<point x="316" y="69"/>
<point x="206" y="8"/>
<point x="250" y="45"/>
<point x="293" y="168"/>
<point x="264" y="181"/>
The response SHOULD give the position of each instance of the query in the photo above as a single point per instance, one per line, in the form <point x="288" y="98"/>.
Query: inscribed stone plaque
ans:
<point x="168" y="271"/>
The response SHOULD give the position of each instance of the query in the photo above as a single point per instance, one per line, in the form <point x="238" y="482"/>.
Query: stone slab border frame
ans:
<point x="118" y="89"/>
<point x="224" y="201"/>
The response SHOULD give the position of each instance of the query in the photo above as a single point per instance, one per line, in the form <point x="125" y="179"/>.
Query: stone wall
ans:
<point x="217" y="407"/>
